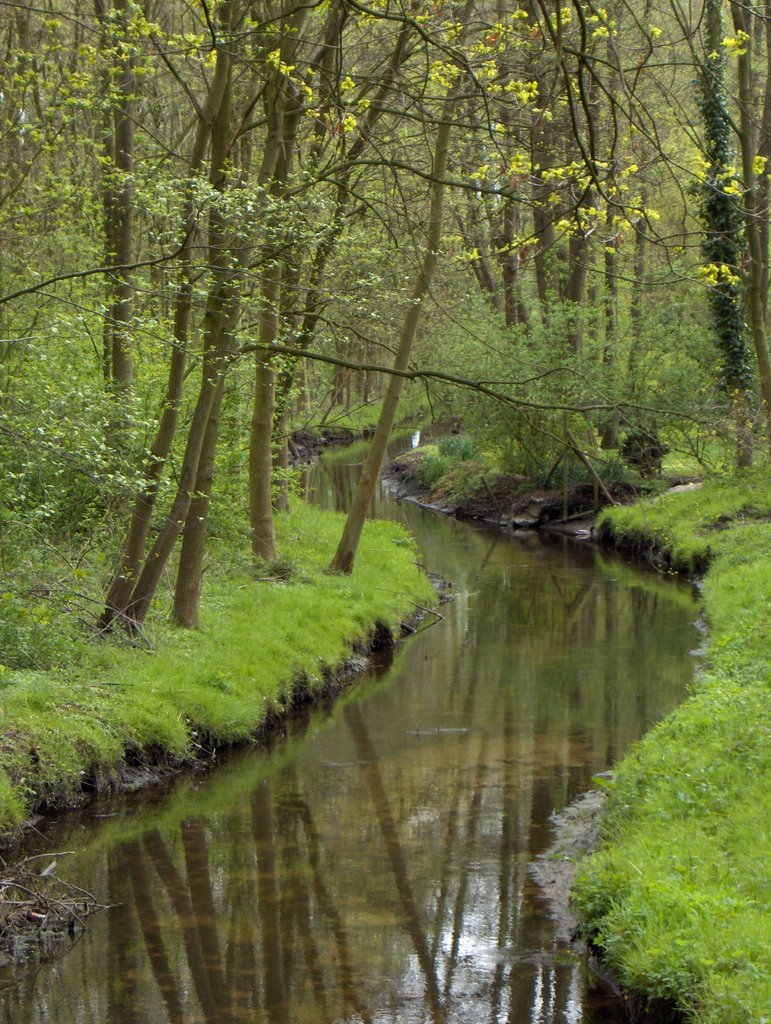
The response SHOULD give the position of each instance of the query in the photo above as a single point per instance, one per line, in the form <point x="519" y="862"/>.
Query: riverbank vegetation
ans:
<point x="173" y="696"/>
<point x="458" y="476"/>
<point x="222" y="222"/>
<point x="678" y="900"/>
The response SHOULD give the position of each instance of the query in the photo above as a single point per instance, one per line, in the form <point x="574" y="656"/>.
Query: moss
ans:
<point x="679" y="897"/>
<point x="256" y="639"/>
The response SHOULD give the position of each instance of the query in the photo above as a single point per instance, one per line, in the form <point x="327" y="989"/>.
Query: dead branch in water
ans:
<point x="38" y="909"/>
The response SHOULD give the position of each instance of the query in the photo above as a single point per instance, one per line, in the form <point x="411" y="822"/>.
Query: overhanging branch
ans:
<point x="92" y="271"/>
<point x="451" y="378"/>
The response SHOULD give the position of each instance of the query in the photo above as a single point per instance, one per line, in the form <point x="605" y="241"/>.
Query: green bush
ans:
<point x="34" y="630"/>
<point x="459" y="447"/>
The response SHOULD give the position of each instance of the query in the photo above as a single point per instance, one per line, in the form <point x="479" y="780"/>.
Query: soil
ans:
<point x="651" y="551"/>
<point x="577" y="833"/>
<point x="510" y="501"/>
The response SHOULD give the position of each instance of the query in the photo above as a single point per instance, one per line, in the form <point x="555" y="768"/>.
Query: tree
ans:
<point x="723" y="246"/>
<point x="345" y="556"/>
<point x="755" y="211"/>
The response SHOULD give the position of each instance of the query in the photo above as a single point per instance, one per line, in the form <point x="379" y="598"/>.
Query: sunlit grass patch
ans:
<point x="680" y="897"/>
<point x="257" y="637"/>
<point x="689" y="523"/>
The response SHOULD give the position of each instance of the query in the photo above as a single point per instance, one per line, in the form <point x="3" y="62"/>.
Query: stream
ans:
<point x="372" y="865"/>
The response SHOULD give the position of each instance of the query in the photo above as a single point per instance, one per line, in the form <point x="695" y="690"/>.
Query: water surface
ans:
<point x="372" y="866"/>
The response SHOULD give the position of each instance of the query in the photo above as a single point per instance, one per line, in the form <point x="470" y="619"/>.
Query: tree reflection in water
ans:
<point x="374" y="867"/>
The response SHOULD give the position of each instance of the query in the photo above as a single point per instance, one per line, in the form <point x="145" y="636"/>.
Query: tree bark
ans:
<point x="752" y="214"/>
<point x="260" y="444"/>
<point x="187" y="592"/>
<point x="575" y="287"/>
<point x="724" y="244"/>
<point x="610" y="309"/>
<point x="345" y="555"/>
<point x="284" y="112"/>
<point x="123" y="582"/>
<point x="118" y="205"/>
<point x="219" y="323"/>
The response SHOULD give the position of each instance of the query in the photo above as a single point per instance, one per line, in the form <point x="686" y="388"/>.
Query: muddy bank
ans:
<point x="656" y="552"/>
<point x="508" y="501"/>
<point x="577" y="833"/>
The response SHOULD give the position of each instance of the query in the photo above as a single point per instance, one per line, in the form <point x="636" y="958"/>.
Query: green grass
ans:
<point x="256" y="638"/>
<point x="689" y="524"/>
<point x="679" y="898"/>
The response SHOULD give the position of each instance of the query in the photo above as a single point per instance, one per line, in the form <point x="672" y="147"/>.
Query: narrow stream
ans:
<point x="372" y="866"/>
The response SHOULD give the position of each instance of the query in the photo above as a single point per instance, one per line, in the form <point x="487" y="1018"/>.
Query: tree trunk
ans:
<point x="756" y="264"/>
<point x="764" y="177"/>
<point x="723" y="244"/>
<point x="123" y="582"/>
<point x="575" y="287"/>
<point x="219" y="323"/>
<point x="284" y="109"/>
<point x="118" y="204"/>
<point x="121" y="310"/>
<point x="637" y="297"/>
<point x="260" y="446"/>
<point x="514" y="309"/>
<point x="345" y="555"/>
<point x="610" y="304"/>
<point x="221" y="317"/>
<point x="187" y="593"/>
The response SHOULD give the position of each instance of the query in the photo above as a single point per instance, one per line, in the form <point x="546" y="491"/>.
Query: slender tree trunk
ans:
<point x="314" y="298"/>
<point x="187" y="592"/>
<point x="543" y="229"/>
<point x="764" y="177"/>
<point x="752" y="215"/>
<point x="290" y="287"/>
<point x="284" y="109"/>
<point x="276" y="163"/>
<point x="637" y="298"/>
<point x="219" y="323"/>
<point x="260" y="447"/>
<point x="472" y="233"/>
<point x="345" y="555"/>
<point x="723" y="244"/>
<point x="575" y="288"/>
<point x="281" y="459"/>
<point x="514" y="309"/>
<point x="542" y="155"/>
<point x="123" y="213"/>
<point x="120" y="589"/>
<point x="610" y="308"/>
<point x="221" y="318"/>
<point x="118" y="205"/>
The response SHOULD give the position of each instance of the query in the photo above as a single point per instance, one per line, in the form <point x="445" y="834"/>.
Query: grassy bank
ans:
<point x="679" y="899"/>
<point x="104" y="703"/>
